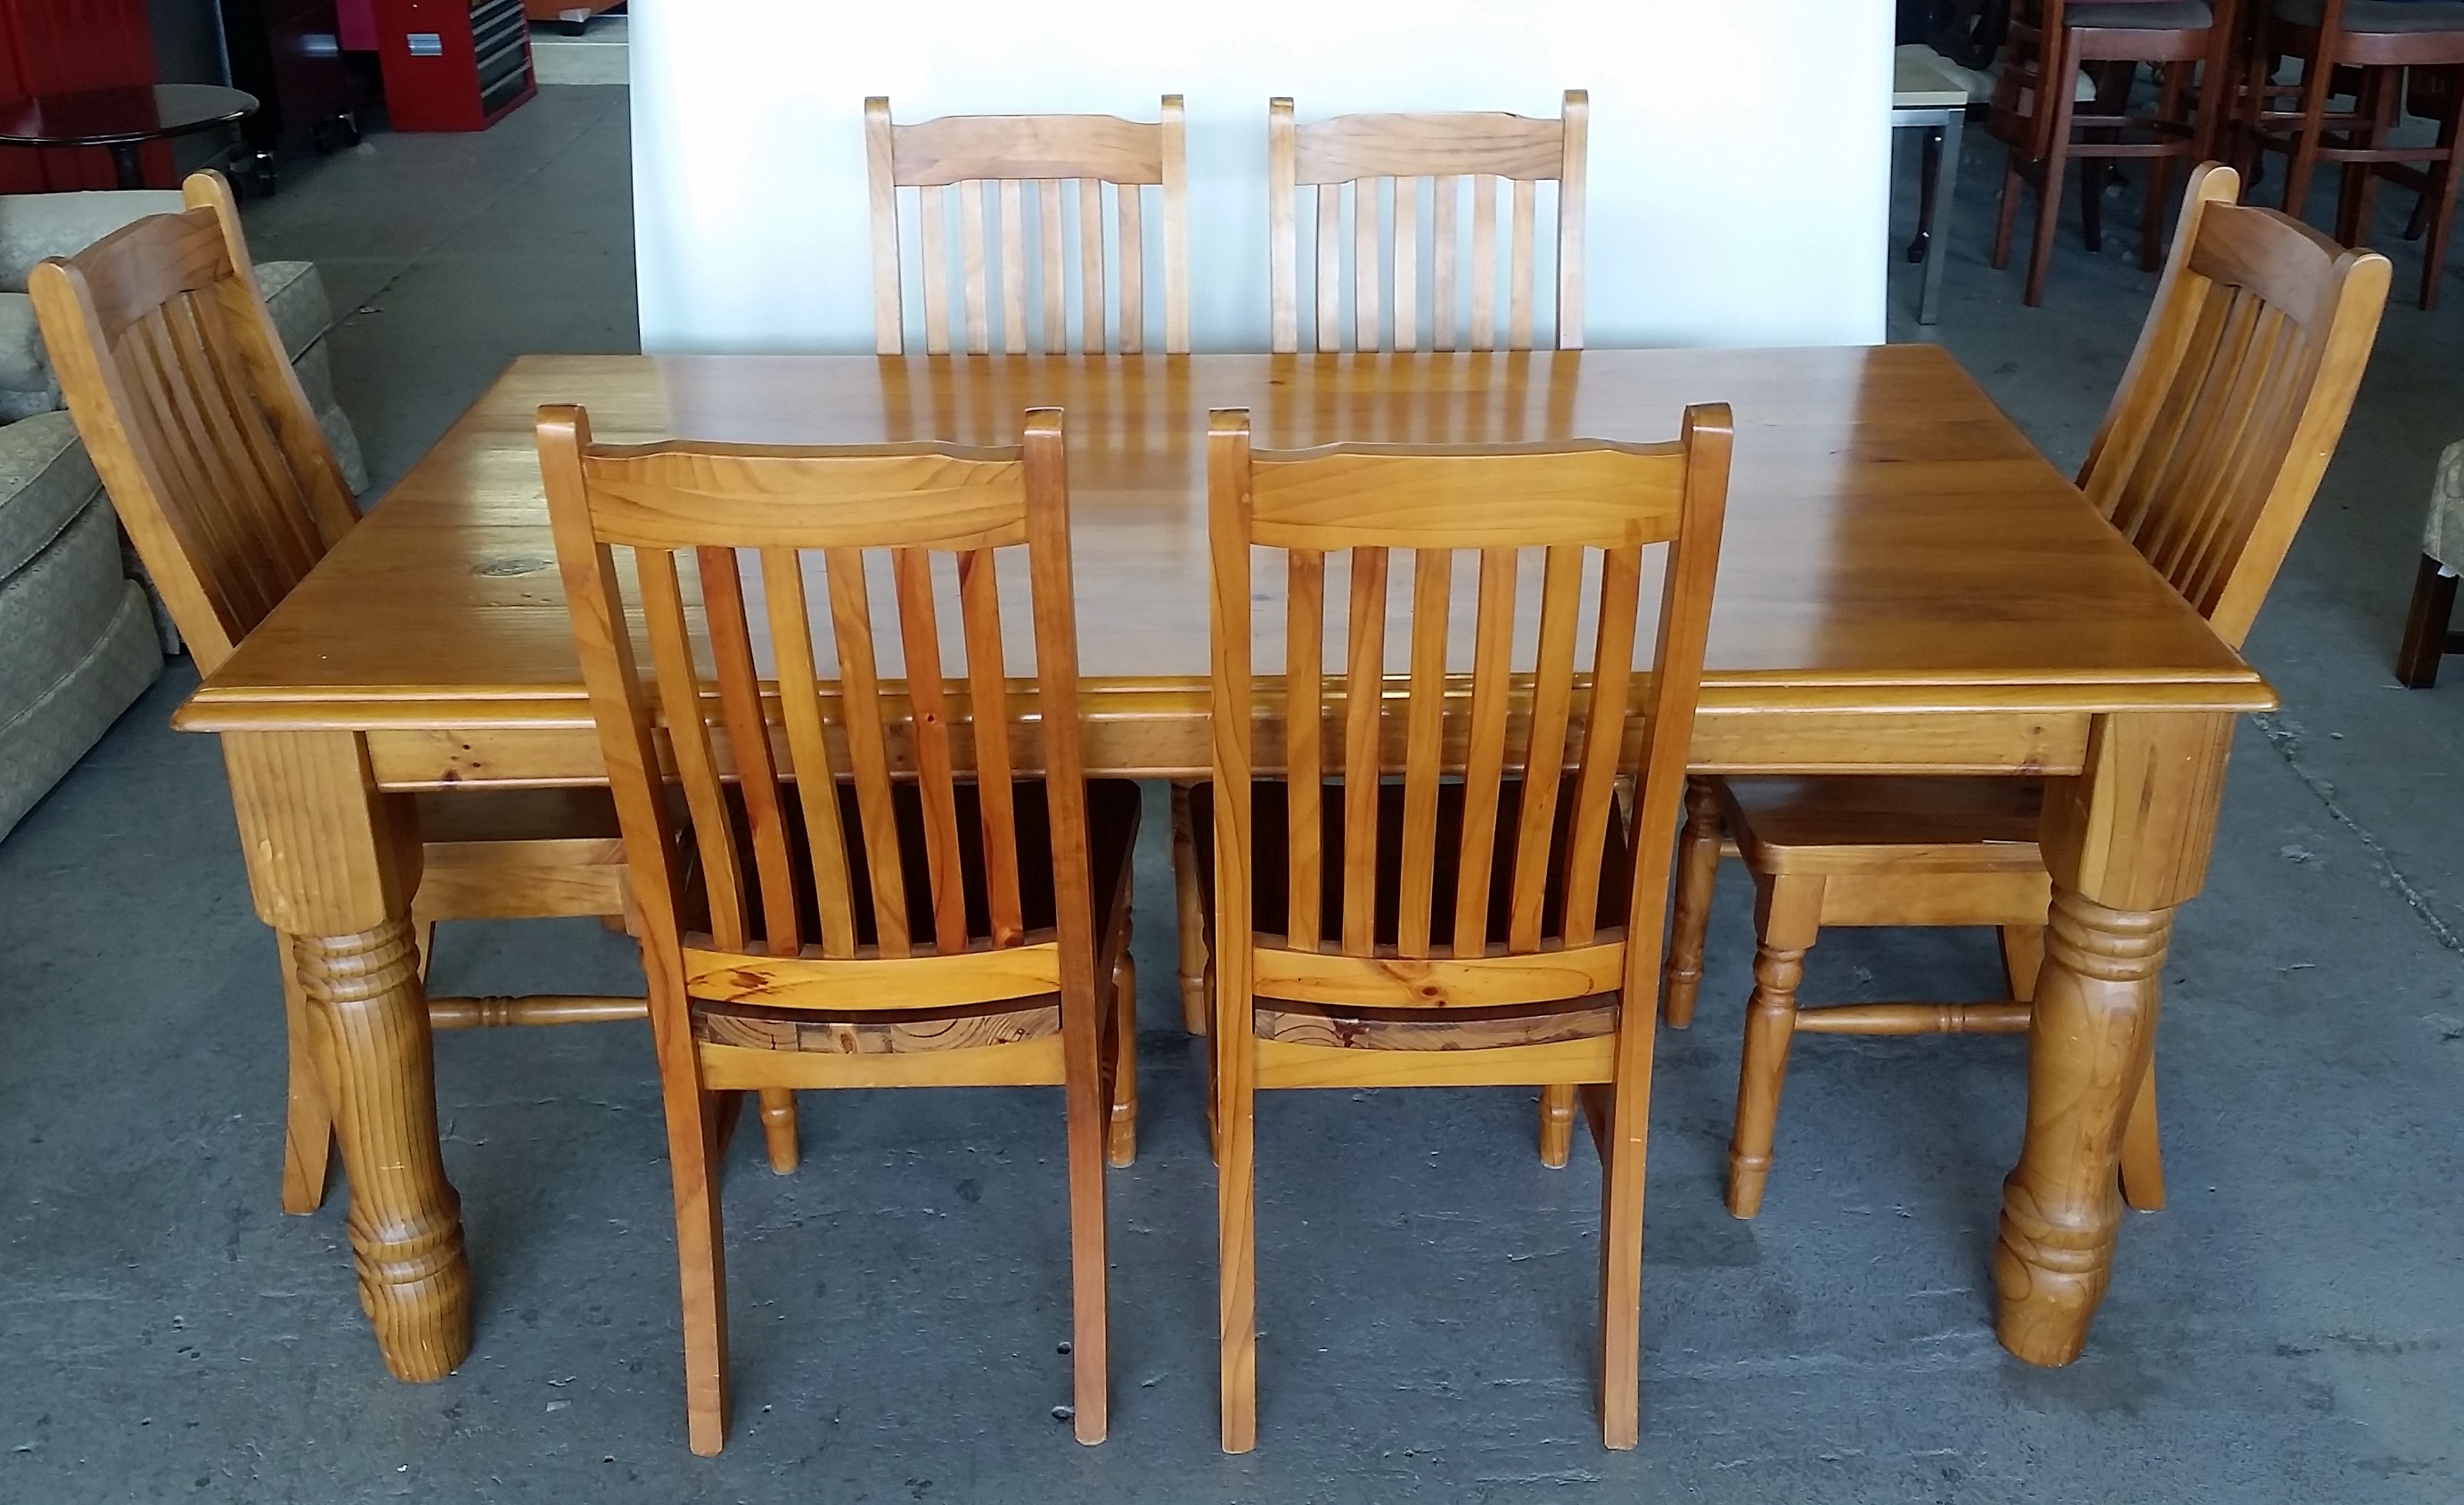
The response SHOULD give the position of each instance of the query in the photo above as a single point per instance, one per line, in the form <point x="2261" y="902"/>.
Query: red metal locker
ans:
<point x="453" y="65"/>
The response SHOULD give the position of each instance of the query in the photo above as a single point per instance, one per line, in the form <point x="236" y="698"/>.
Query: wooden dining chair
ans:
<point x="874" y="884"/>
<point x="225" y="483"/>
<point x="1029" y="274"/>
<point x="1376" y="165"/>
<point x="2380" y="52"/>
<point x="2207" y="459"/>
<point x="1503" y="927"/>
<point x="2036" y="115"/>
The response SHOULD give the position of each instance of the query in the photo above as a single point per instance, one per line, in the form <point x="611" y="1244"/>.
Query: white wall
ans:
<point x="1739" y="148"/>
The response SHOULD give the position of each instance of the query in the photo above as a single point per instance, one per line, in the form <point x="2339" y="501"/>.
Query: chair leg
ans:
<point x="2049" y="189"/>
<point x="2006" y="212"/>
<point x="2143" y="1155"/>
<point x="308" y="1116"/>
<point x="2169" y="81"/>
<point x="2023" y="955"/>
<point x="1236" y="1205"/>
<point x="1192" y="917"/>
<point x="778" y="1128"/>
<point x="701" y="1260"/>
<point x="1121" y="1144"/>
<point x="1556" y="1124"/>
<point x="1791" y="917"/>
<point x="2445" y="179"/>
<point x="2317" y="80"/>
<point x="1088" y="1114"/>
<point x="1698" y="870"/>
<point x="2425" y="626"/>
<point x="1623" y="1137"/>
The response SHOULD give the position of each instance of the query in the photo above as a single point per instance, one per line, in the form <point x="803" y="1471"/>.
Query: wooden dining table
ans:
<point x="1907" y="586"/>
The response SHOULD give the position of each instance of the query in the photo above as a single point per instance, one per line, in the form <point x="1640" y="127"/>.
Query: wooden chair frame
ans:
<point x="2207" y="461"/>
<point x="1383" y="1004"/>
<point x="831" y="1005"/>
<point x="186" y="401"/>
<point x="1023" y="158"/>
<point x="1363" y="151"/>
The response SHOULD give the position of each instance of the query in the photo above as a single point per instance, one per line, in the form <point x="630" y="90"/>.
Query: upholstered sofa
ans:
<point x="79" y="636"/>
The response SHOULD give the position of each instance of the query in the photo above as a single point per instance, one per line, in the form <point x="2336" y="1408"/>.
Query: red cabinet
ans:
<point x="453" y="65"/>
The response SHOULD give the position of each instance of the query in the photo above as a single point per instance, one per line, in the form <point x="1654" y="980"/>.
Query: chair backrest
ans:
<point x="995" y="165"/>
<point x="1514" y="719"/>
<point x="705" y="521"/>
<point x="2234" y="398"/>
<point x="1382" y="160"/>
<point x="190" y="407"/>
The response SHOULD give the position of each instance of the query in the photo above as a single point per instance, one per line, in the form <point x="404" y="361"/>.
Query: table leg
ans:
<point x="333" y="865"/>
<point x="129" y="164"/>
<point x="2126" y="842"/>
<point x="1937" y="223"/>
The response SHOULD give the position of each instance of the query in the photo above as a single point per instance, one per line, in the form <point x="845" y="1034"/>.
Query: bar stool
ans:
<point x="2173" y="35"/>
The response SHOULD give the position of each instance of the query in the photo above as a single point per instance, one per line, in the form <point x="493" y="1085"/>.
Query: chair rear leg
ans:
<point x="701" y="1260"/>
<point x="1556" y="1124"/>
<point x="2023" y="956"/>
<point x="1121" y="1144"/>
<point x="2143" y="1156"/>
<point x="1792" y="917"/>
<point x="2445" y="179"/>
<point x="1089" y="1115"/>
<point x="1623" y="1134"/>
<point x="1192" y="918"/>
<point x="778" y="1128"/>
<point x="1697" y="871"/>
<point x="308" y="1115"/>
<point x="1237" y="1246"/>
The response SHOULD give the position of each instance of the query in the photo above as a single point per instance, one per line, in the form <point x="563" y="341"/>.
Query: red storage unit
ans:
<point x="453" y="65"/>
<point x="61" y="46"/>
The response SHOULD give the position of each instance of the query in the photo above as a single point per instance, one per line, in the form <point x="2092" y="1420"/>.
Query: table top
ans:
<point x="1921" y="79"/>
<point x="1894" y="542"/>
<point x="116" y="116"/>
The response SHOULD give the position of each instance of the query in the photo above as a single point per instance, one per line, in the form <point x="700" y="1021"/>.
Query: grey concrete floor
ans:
<point x="2290" y="1329"/>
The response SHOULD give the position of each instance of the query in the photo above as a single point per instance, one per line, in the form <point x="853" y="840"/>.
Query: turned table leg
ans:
<point x="332" y="864"/>
<point x="2126" y="842"/>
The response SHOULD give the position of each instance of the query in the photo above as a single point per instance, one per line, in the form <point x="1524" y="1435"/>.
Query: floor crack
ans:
<point x="2285" y="737"/>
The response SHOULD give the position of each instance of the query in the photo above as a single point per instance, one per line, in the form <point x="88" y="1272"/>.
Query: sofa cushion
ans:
<point x="45" y="480"/>
<point x="294" y="295"/>
<point x="42" y="740"/>
<point x="52" y="610"/>
<point x="2442" y="538"/>
<point x="24" y="368"/>
<point x="33" y="225"/>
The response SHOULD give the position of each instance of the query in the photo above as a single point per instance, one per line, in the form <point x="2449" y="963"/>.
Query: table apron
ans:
<point x="1171" y="744"/>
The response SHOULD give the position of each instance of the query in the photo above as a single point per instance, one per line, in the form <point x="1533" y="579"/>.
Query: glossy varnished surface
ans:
<point x="1894" y="541"/>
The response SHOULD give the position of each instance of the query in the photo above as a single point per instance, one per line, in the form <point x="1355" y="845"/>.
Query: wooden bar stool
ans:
<point x="220" y="473"/>
<point x="869" y="900"/>
<point x="1496" y="929"/>
<point x="2371" y="47"/>
<point x="2037" y="114"/>
<point x="2208" y="459"/>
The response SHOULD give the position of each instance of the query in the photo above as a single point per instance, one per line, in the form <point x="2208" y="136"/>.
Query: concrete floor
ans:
<point x="2291" y="1329"/>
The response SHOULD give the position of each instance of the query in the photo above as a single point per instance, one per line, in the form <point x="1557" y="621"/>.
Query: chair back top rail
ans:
<point x="1538" y="823"/>
<point x="185" y="400"/>
<point x="2234" y="398"/>
<point x="1379" y="162"/>
<point x="1030" y="194"/>
<point x="794" y="846"/>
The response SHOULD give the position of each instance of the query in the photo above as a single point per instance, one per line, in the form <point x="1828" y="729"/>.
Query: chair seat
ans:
<point x="1113" y="810"/>
<point x="2380" y="15"/>
<point x="1270" y="822"/>
<point x="1842" y="825"/>
<point x="2149" y="15"/>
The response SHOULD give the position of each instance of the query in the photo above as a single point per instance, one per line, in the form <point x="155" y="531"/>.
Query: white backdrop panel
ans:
<point x="1739" y="151"/>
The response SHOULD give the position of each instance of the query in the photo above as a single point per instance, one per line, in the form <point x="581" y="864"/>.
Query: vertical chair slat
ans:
<point x="2206" y="476"/>
<point x="1483" y="262"/>
<point x="265" y="451"/>
<point x="1303" y="750"/>
<point x="1013" y="253"/>
<point x="1543" y="756"/>
<point x="146" y="347"/>
<point x="1424" y="746"/>
<point x="679" y="687"/>
<point x="1364" y="263"/>
<point x="975" y="278"/>
<point x="988" y="701"/>
<point x="2138" y="491"/>
<point x="1056" y="267"/>
<point x="1407" y="263"/>
<point x="1132" y="334"/>
<point x="1603" y="740"/>
<point x="1363" y="688"/>
<point x="868" y="754"/>
<point x="1090" y="263"/>
<point x="748" y="737"/>
<point x="809" y="747"/>
<point x="1485" y="749"/>
<point x="1330" y="267"/>
<point x="2277" y="409"/>
<point x="275" y="513"/>
<point x="2199" y="427"/>
<point x="1443" y="212"/>
<point x="929" y="721"/>
<point x="931" y="218"/>
<point x="1523" y="274"/>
